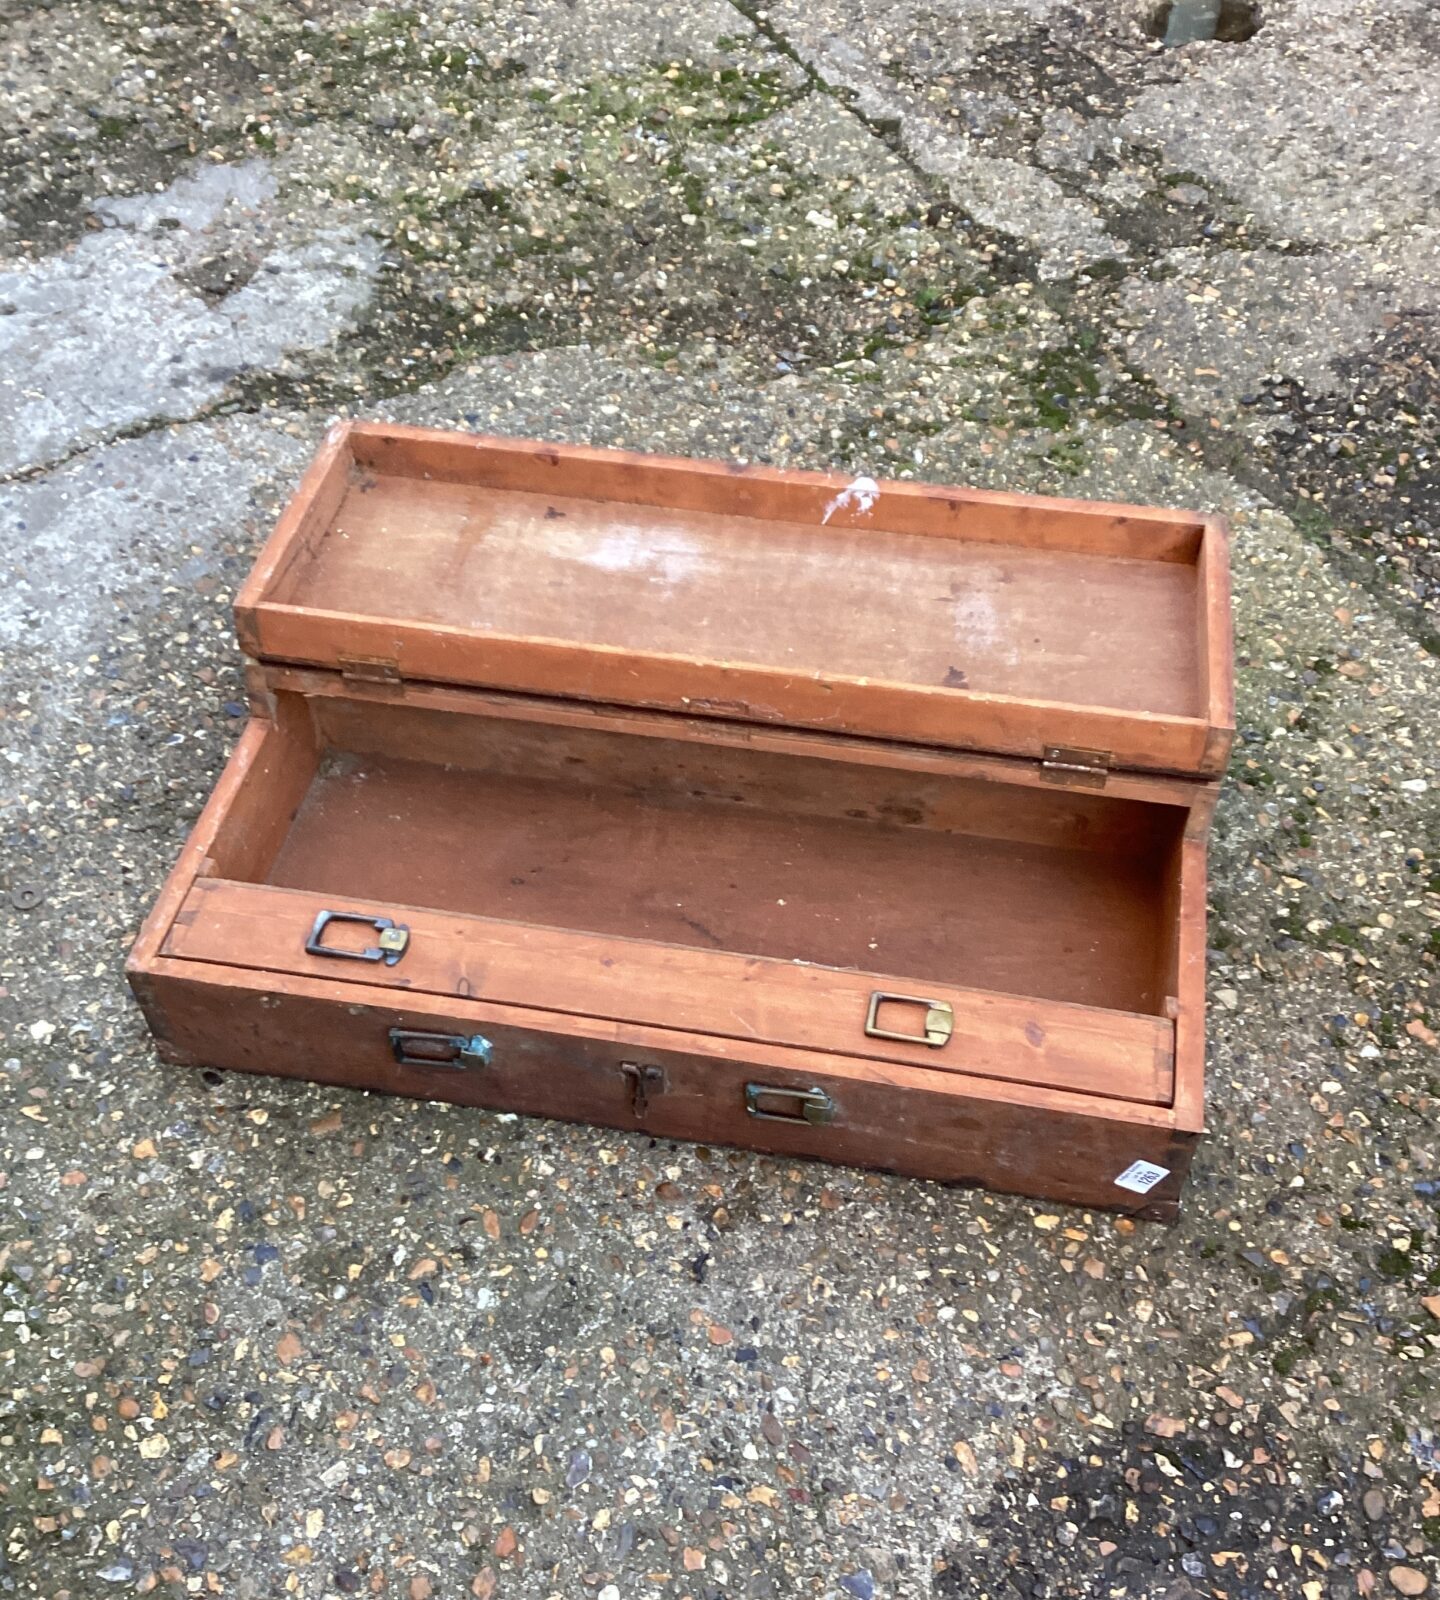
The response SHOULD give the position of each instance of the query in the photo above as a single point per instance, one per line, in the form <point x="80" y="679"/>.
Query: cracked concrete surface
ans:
<point x="116" y="331"/>
<point x="259" y="1338"/>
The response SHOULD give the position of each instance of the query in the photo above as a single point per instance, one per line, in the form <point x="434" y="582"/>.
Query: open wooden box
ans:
<point x="722" y="804"/>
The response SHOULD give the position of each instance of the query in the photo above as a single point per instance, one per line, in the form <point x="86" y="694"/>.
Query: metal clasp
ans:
<point x="811" y="1105"/>
<point x="415" y="1049"/>
<point x="394" y="938"/>
<point x="939" y="1019"/>
<point x="642" y="1081"/>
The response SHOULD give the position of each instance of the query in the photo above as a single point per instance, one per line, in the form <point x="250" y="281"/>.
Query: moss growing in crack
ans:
<point x="1285" y="1360"/>
<point x="1395" y="1264"/>
<point x="1060" y="378"/>
<point x="1069" y="456"/>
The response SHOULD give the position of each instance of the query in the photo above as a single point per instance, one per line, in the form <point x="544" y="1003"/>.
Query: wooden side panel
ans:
<point x="775" y="494"/>
<point x="429" y="652"/>
<point x="246" y="817"/>
<point x="1217" y="656"/>
<point x="263" y="808"/>
<point x="713" y="992"/>
<point x="1189" y="985"/>
<point x="781" y="775"/>
<point x="302" y="524"/>
<point x="354" y="709"/>
<point x="1027" y="1141"/>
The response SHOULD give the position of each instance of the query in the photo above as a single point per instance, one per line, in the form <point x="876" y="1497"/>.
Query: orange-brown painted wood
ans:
<point x="1012" y="1137"/>
<point x="668" y="768"/>
<point x="938" y="877"/>
<point x="944" y="616"/>
<point x="741" y="998"/>
<point x="221" y="967"/>
<point x="351" y="710"/>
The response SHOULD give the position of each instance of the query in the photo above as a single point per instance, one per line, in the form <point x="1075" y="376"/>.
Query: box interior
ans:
<point x="1066" y="895"/>
<point x="577" y="558"/>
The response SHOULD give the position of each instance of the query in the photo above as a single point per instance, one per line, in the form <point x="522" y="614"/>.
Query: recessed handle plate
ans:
<point x="455" y="1051"/>
<point x="811" y="1106"/>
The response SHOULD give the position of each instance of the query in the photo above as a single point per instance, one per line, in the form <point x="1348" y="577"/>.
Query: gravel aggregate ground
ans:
<point x="259" y="1338"/>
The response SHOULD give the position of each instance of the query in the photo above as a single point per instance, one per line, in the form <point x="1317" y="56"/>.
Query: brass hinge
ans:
<point x="370" y="669"/>
<point x="1080" y="769"/>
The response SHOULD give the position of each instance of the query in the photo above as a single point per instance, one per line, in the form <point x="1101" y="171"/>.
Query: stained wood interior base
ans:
<point x="559" y="828"/>
<point x="1090" y="627"/>
<point x="1068" y="924"/>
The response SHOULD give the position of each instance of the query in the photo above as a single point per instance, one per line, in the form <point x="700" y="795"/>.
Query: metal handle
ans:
<point x="456" y="1050"/>
<point x="392" y="943"/>
<point x="939" y="1019"/>
<point x="811" y="1105"/>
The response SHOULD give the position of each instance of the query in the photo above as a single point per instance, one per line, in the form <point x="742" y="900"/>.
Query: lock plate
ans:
<point x="644" y="1081"/>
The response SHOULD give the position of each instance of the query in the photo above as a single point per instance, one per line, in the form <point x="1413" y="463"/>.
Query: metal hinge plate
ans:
<point x="1081" y="769"/>
<point x="370" y="669"/>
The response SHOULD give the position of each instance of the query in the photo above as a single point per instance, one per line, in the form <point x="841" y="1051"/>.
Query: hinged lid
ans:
<point x="1084" y="636"/>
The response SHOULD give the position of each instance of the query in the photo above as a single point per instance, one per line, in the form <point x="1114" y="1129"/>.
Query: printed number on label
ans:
<point x="1140" y="1177"/>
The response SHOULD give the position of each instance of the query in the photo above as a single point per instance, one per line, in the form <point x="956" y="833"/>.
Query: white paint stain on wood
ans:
<point x="979" y="621"/>
<point x="668" y="558"/>
<point x="860" y="496"/>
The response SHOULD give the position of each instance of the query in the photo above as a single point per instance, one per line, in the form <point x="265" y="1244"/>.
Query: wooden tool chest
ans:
<point x="854" y="821"/>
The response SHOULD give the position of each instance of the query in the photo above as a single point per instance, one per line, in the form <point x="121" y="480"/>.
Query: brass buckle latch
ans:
<point x="939" y="1019"/>
<point x="391" y="945"/>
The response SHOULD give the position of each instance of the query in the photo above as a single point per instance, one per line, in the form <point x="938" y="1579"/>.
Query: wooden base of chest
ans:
<point x="875" y="954"/>
<point x="671" y="1085"/>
